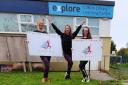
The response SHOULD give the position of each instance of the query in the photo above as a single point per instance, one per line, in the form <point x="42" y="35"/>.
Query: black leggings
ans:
<point x="46" y="61"/>
<point x="82" y="68"/>
<point x="70" y="62"/>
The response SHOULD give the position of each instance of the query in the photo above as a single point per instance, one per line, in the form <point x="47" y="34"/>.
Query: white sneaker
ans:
<point x="85" y="80"/>
<point x="67" y="76"/>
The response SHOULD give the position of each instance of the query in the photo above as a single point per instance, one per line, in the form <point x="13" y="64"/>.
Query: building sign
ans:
<point x="40" y="44"/>
<point x="22" y="6"/>
<point x="71" y="9"/>
<point x="56" y="8"/>
<point x="87" y="49"/>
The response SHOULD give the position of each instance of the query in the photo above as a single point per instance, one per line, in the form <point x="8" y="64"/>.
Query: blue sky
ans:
<point x="119" y="23"/>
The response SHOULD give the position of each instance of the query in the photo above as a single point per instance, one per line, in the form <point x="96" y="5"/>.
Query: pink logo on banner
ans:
<point x="46" y="45"/>
<point x="88" y="50"/>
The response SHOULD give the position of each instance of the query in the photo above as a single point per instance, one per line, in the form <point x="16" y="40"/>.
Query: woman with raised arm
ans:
<point x="66" y="38"/>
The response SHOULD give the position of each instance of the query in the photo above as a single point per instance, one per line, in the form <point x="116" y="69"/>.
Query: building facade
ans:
<point x="20" y="16"/>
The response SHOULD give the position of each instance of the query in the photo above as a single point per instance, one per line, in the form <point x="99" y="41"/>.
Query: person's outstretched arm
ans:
<point x="56" y="29"/>
<point x="77" y="31"/>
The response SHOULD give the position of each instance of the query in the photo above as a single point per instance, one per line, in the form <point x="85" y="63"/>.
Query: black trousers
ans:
<point x="82" y="68"/>
<point x="68" y="58"/>
<point x="46" y="62"/>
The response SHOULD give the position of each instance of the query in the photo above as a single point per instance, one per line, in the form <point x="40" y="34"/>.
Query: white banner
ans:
<point x="87" y="49"/>
<point x="41" y="44"/>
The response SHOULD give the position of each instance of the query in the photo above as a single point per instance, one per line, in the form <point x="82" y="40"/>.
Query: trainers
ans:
<point x="67" y="76"/>
<point x="85" y="80"/>
<point x="44" y="80"/>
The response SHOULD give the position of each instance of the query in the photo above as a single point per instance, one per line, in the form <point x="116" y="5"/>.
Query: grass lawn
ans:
<point x="119" y="71"/>
<point x="56" y="78"/>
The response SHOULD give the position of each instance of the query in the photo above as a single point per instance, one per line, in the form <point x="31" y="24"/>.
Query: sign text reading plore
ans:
<point x="73" y="9"/>
<point x="66" y="8"/>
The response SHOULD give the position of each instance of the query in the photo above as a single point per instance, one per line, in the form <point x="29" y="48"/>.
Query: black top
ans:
<point x="66" y="39"/>
<point x="45" y="33"/>
<point x="40" y="31"/>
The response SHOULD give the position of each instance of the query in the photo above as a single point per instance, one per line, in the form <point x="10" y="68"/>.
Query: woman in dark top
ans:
<point x="85" y="35"/>
<point x="66" y="38"/>
<point x="45" y="59"/>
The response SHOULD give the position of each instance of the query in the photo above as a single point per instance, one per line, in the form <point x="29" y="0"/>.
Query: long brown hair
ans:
<point x="70" y="33"/>
<point x="89" y="34"/>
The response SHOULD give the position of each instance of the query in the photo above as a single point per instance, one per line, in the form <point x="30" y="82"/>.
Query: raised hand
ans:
<point x="83" y="22"/>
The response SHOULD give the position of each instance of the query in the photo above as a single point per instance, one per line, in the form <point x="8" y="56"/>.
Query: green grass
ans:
<point x="124" y="65"/>
<point x="119" y="71"/>
<point x="56" y="78"/>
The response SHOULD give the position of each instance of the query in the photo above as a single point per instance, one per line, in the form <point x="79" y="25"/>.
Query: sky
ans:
<point x="119" y="23"/>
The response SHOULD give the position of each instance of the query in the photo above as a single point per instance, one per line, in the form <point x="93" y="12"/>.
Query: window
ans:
<point x="92" y="23"/>
<point x="8" y="22"/>
<point x="78" y="22"/>
<point x="28" y="22"/>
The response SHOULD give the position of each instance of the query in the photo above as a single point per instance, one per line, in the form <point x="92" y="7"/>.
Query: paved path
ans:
<point x="97" y="75"/>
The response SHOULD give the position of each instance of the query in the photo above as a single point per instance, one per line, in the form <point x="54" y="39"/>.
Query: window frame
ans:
<point x="76" y="25"/>
<point x="94" y="36"/>
<point x="30" y="23"/>
<point x="47" y="24"/>
<point x="86" y="24"/>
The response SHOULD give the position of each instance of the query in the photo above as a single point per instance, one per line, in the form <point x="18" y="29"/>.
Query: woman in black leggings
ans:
<point x="85" y="35"/>
<point x="66" y="38"/>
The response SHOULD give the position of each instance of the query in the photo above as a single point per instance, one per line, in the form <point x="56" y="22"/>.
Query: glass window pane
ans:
<point x="51" y="30"/>
<point x="60" y="22"/>
<point x="80" y="32"/>
<point x="8" y="22"/>
<point x="26" y="18"/>
<point x="94" y="30"/>
<point x="36" y="17"/>
<point x="28" y="27"/>
<point x="93" y="22"/>
<point x="31" y="27"/>
<point x="79" y="20"/>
